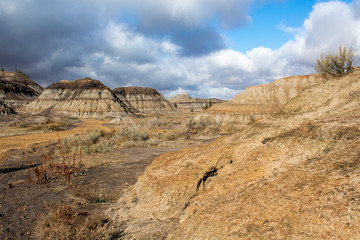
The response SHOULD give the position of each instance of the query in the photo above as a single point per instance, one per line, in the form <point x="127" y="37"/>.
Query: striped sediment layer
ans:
<point x="144" y="99"/>
<point x="259" y="101"/>
<point x="80" y="98"/>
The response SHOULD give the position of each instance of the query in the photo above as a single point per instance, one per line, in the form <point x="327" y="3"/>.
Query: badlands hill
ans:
<point x="184" y="102"/>
<point x="294" y="175"/>
<point x="79" y="98"/>
<point x="17" y="90"/>
<point x="260" y="101"/>
<point x="145" y="100"/>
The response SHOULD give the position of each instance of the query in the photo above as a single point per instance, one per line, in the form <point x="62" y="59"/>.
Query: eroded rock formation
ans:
<point x="145" y="100"/>
<point x="294" y="175"/>
<point x="5" y="110"/>
<point x="17" y="90"/>
<point x="184" y="102"/>
<point x="260" y="101"/>
<point x="79" y="98"/>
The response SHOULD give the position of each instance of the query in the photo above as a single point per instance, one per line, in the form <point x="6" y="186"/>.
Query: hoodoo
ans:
<point x="17" y="89"/>
<point x="260" y="101"/>
<point x="80" y="98"/>
<point x="145" y="100"/>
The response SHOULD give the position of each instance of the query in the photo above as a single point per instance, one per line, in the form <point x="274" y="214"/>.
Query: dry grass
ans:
<point x="67" y="222"/>
<point x="33" y="125"/>
<point x="202" y="125"/>
<point x="93" y="196"/>
<point x="140" y="133"/>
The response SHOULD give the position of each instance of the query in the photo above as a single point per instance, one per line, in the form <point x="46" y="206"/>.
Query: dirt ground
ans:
<point x="104" y="176"/>
<point x="19" y="142"/>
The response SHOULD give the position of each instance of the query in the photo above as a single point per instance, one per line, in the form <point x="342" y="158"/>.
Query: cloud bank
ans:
<point x="173" y="46"/>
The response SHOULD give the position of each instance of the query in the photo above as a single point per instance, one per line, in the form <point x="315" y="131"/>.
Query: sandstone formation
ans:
<point x="17" y="90"/>
<point x="79" y="98"/>
<point x="260" y="101"/>
<point x="5" y="110"/>
<point x="294" y="175"/>
<point x="145" y="100"/>
<point x="184" y="102"/>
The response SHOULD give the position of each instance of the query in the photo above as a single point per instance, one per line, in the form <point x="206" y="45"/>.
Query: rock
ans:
<point x="17" y="90"/>
<point x="5" y="110"/>
<point x="260" y="101"/>
<point x="293" y="175"/>
<point x="79" y="98"/>
<point x="183" y="102"/>
<point x="145" y="100"/>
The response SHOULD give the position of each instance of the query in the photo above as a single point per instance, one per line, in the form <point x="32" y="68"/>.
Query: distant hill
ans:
<point x="184" y="102"/>
<point x="80" y="98"/>
<point x="144" y="99"/>
<point x="17" y="90"/>
<point x="260" y="101"/>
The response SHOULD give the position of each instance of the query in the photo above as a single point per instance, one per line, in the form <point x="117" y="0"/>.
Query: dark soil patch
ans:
<point x="104" y="177"/>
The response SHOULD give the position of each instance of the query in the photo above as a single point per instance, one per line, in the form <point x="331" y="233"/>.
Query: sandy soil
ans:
<point x="24" y="141"/>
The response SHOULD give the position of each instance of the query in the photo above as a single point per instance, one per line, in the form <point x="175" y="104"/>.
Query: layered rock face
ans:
<point x="5" y="110"/>
<point x="260" y="101"/>
<point x="294" y="175"/>
<point x="145" y="100"/>
<point x="79" y="98"/>
<point x="184" y="102"/>
<point x="17" y="90"/>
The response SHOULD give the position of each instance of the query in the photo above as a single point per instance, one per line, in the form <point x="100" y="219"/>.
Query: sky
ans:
<point x="205" y="48"/>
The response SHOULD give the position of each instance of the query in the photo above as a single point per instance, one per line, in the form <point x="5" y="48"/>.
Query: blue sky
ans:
<point x="206" y="48"/>
<point x="262" y="30"/>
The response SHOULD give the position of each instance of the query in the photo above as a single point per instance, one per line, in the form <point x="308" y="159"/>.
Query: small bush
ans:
<point x="204" y="124"/>
<point x="336" y="65"/>
<point x="66" y="164"/>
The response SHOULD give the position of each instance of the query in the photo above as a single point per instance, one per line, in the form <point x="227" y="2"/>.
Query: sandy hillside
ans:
<point x="291" y="176"/>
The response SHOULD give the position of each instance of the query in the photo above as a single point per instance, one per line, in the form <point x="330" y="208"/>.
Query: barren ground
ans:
<point x="104" y="176"/>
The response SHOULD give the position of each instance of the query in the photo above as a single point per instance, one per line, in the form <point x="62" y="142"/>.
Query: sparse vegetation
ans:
<point x="67" y="222"/>
<point x="22" y="126"/>
<point x="336" y="65"/>
<point x="22" y="73"/>
<point x="140" y="133"/>
<point x="208" y="104"/>
<point x="68" y="165"/>
<point x="203" y="124"/>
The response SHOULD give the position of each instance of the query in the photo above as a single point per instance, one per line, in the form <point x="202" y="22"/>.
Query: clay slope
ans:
<point x="17" y="90"/>
<point x="5" y="110"/>
<point x="185" y="103"/>
<point x="260" y="101"/>
<point x="79" y="98"/>
<point x="294" y="175"/>
<point x="145" y="100"/>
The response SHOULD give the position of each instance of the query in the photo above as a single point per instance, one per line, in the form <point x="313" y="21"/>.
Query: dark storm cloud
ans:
<point x="173" y="46"/>
<point x="33" y="31"/>
<point x="47" y="38"/>
<point x="198" y="41"/>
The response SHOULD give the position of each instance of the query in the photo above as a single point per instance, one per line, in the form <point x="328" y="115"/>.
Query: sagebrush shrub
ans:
<point x="336" y="65"/>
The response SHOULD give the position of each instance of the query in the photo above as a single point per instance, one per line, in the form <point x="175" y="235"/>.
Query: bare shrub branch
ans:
<point x="336" y="65"/>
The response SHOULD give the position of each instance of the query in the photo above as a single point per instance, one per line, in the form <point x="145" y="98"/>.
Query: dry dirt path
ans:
<point x="24" y="141"/>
